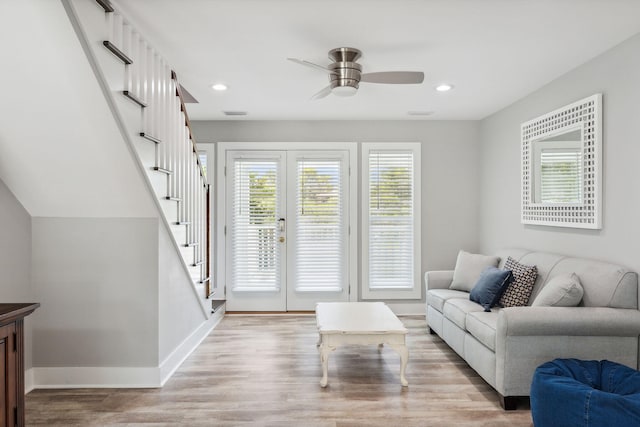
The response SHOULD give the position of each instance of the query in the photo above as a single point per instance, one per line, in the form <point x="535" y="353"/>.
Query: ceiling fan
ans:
<point x="345" y="74"/>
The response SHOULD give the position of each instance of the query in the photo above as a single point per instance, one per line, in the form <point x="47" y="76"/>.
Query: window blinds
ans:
<point x="560" y="176"/>
<point x="255" y="251"/>
<point x="391" y="221"/>
<point x="319" y="238"/>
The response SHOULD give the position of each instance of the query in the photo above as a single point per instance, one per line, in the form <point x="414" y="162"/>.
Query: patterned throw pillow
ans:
<point x="519" y="291"/>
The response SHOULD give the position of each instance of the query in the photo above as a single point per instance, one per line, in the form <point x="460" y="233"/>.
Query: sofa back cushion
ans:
<point x="604" y="284"/>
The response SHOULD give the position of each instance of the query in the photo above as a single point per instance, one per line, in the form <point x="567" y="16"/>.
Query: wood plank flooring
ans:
<point x="265" y="371"/>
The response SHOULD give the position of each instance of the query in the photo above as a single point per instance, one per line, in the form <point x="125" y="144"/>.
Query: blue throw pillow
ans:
<point x="490" y="287"/>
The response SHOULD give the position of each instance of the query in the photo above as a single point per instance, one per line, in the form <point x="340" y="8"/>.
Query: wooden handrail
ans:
<point x="187" y="123"/>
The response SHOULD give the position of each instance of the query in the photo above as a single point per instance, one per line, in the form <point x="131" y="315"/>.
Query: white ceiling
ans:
<point x="493" y="51"/>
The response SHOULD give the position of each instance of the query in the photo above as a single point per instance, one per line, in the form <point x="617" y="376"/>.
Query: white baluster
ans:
<point x="108" y="19"/>
<point x="144" y="73"/>
<point x="126" y="47"/>
<point x="135" y="67"/>
<point x="162" y="118"/>
<point x="116" y="37"/>
<point x="151" y="93"/>
<point x="175" y="122"/>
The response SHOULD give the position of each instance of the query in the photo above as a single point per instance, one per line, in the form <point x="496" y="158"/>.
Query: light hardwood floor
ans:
<point x="265" y="371"/>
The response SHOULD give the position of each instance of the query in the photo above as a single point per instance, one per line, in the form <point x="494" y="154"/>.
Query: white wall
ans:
<point x="614" y="74"/>
<point x="61" y="152"/>
<point x="97" y="282"/>
<point x="15" y="258"/>
<point x="450" y="169"/>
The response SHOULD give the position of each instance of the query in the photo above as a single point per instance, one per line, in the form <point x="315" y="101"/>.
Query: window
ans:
<point x="560" y="178"/>
<point x="254" y="252"/>
<point x="391" y="221"/>
<point x="202" y="157"/>
<point x="321" y="242"/>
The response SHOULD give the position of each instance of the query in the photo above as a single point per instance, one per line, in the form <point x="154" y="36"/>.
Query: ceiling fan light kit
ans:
<point x="345" y="74"/>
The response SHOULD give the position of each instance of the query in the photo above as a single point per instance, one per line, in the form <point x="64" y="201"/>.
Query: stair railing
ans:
<point x="153" y="85"/>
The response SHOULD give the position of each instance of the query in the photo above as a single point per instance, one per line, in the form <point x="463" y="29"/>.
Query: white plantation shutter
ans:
<point x="560" y="175"/>
<point x="254" y="248"/>
<point x="320" y="241"/>
<point x="392" y="222"/>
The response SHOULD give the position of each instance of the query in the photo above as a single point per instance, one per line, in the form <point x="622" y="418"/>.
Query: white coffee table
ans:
<point x="363" y="323"/>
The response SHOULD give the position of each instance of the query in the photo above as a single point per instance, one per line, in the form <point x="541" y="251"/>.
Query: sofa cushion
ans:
<point x="482" y="325"/>
<point x="563" y="290"/>
<point x="468" y="269"/>
<point x="490" y="286"/>
<point x="456" y="310"/>
<point x="544" y="262"/>
<point x="437" y="297"/>
<point x="519" y="291"/>
<point x="604" y="284"/>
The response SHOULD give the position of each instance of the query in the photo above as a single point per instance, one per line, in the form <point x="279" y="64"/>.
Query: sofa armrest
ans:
<point x="440" y="279"/>
<point x="569" y="321"/>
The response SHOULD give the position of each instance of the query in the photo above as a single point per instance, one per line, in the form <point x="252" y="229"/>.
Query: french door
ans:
<point x="287" y="234"/>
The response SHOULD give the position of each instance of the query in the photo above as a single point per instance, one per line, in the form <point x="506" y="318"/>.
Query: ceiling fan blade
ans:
<point x="311" y="65"/>
<point x="394" y="77"/>
<point x="322" y="93"/>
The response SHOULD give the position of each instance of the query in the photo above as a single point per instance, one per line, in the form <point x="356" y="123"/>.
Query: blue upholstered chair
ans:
<point x="571" y="392"/>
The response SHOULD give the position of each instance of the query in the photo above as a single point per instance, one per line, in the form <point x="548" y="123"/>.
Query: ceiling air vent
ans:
<point x="235" y="113"/>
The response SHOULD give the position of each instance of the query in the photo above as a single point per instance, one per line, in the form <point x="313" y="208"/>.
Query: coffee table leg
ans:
<point x="325" y="349"/>
<point x="403" y="351"/>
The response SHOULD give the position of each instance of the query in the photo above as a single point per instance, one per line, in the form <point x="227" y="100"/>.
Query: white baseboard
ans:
<point x="177" y="356"/>
<point x="120" y="377"/>
<point x="28" y="380"/>
<point x="96" y="377"/>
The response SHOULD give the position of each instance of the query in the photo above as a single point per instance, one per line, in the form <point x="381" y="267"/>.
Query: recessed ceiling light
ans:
<point x="444" y="87"/>
<point x="219" y="87"/>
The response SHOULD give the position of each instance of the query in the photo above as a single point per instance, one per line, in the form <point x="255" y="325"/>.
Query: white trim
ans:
<point x="392" y="294"/>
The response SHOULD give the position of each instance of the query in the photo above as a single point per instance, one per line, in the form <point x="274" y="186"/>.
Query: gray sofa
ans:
<point x="507" y="344"/>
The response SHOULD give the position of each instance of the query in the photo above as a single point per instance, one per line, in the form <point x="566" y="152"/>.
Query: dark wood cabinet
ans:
<point x="12" y="362"/>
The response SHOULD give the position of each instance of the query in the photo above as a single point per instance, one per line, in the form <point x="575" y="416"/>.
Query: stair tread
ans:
<point x="149" y="137"/>
<point x="134" y="98"/>
<point x="106" y="5"/>
<point x="162" y="170"/>
<point x="117" y="52"/>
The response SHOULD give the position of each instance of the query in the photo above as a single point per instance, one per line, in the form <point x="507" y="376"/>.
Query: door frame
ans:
<point x="221" y="225"/>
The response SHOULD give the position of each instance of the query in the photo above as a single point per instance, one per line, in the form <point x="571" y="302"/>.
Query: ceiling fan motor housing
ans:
<point x="345" y="72"/>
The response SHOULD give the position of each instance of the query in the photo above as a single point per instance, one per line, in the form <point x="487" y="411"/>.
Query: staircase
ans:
<point x="148" y="102"/>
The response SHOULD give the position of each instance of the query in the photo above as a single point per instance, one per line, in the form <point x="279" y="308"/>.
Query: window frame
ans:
<point x="391" y="293"/>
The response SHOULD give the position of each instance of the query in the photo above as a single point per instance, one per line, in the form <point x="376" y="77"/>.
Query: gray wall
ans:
<point x="450" y="169"/>
<point x="614" y="74"/>
<point x="15" y="258"/>
<point x="97" y="280"/>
